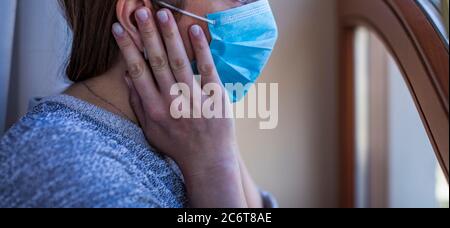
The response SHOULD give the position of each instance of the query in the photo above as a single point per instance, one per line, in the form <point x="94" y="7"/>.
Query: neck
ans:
<point x="108" y="91"/>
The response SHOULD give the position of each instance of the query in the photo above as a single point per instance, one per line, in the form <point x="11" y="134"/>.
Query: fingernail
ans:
<point x="162" y="16"/>
<point x="196" y="30"/>
<point x="118" y="29"/>
<point x="142" y="15"/>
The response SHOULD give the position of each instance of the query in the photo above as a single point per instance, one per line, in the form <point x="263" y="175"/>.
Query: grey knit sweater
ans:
<point x="69" y="153"/>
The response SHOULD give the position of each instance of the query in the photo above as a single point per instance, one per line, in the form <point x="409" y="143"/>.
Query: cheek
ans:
<point x="206" y="29"/>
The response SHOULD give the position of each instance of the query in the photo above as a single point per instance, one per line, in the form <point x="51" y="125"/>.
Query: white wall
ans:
<point x="40" y="47"/>
<point x="7" y="22"/>
<point x="298" y="160"/>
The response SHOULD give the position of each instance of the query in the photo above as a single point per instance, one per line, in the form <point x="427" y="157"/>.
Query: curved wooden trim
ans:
<point x="423" y="59"/>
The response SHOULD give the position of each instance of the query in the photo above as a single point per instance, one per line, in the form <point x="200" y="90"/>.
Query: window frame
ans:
<point x="421" y="54"/>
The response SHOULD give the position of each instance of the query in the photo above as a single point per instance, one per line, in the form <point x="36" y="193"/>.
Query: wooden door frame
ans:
<point x="423" y="59"/>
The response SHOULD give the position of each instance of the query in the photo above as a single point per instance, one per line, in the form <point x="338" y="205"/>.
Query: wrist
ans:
<point x="216" y="186"/>
<point x="205" y="161"/>
<point x="204" y="166"/>
<point x="213" y="178"/>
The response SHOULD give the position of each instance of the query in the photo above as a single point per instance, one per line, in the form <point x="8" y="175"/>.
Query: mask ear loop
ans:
<point x="164" y="4"/>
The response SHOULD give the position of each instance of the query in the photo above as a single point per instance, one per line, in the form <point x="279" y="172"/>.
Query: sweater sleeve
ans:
<point x="268" y="199"/>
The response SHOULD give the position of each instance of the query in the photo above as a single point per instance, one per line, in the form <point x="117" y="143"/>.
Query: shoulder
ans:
<point x="54" y="158"/>
<point x="47" y="126"/>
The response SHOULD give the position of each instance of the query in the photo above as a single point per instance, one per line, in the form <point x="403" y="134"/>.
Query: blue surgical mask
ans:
<point x="243" y="39"/>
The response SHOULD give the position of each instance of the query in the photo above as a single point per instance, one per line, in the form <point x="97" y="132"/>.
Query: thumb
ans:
<point x="135" y="100"/>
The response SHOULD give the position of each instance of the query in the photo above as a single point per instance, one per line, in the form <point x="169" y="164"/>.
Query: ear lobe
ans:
<point x="125" y="10"/>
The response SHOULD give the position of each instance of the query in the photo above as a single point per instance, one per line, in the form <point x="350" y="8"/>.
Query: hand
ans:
<point x="205" y="149"/>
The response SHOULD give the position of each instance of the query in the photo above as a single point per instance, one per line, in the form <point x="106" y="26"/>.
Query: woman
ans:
<point x="85" y="148"/>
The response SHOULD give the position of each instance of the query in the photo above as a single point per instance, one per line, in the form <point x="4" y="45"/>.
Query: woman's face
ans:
<point x="201" y="8"/>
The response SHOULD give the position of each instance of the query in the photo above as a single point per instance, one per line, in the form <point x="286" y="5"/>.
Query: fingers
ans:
<point x="205" y="62"/>
<point x="178" y="59"/>
<point x="155" y="49"/>
<point x="137" y="68"/>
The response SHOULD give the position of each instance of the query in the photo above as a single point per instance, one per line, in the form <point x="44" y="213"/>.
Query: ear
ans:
<point x="125" y="11"/>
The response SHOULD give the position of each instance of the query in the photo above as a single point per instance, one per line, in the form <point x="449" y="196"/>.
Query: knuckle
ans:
<point x="148" y="31"/>
<point x="157" y="114"/>
<point x="125" y="43"/>
<point x="158" y="63"/>
<point x="206" y="69"/>
<point x="201" y="47"/>
<point x="170" y="34"/>
<point x="136" y="70"/>
<point x="179" y="65"/>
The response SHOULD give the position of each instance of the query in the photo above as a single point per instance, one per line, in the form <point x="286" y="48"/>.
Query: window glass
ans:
<point x="395" y="165"/>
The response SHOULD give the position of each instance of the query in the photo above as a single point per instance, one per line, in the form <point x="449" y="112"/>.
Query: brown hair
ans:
<point x="94" y="50"/>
